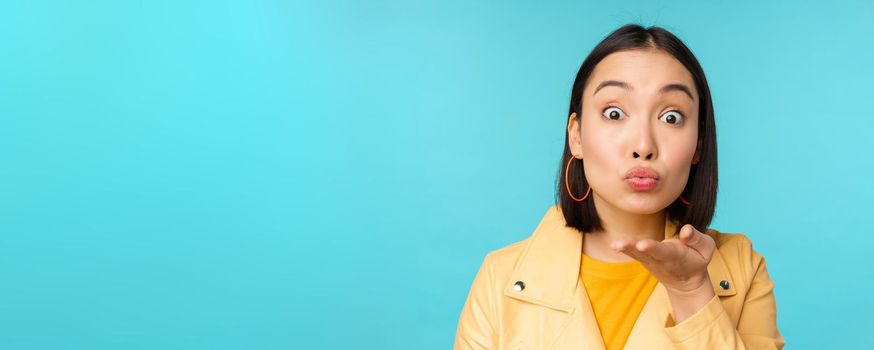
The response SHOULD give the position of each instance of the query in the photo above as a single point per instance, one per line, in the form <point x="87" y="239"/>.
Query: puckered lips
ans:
<point x="642" y="178"/>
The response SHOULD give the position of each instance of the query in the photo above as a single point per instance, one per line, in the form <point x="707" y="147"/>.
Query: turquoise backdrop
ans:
<point x="330" y="174"/>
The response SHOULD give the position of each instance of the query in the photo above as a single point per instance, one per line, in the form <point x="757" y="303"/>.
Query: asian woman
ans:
<point x="625" y="258"/>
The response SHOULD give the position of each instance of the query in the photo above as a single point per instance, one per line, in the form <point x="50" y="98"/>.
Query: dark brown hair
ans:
<point x="701" y="187"/>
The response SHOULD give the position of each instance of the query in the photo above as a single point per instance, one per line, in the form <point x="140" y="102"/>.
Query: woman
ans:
<point x="625" y="259"/>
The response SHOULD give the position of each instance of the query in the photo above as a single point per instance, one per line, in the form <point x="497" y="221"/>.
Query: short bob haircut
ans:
<point x="701" y="187"/>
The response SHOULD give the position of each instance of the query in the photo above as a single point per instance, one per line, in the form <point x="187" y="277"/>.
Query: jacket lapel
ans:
<point x="549" y="267"/>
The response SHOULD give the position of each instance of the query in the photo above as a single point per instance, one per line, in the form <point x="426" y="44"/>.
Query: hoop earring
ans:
<point x="684" y="200"/>
<point x="568" y="186"/>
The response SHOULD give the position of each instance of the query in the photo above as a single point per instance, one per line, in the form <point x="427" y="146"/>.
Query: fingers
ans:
<point x="621" y="244"/>
<point x="658" y="250"/>
<point x="638" y="250"/>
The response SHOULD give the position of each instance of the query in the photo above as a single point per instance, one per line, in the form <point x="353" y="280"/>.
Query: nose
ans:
<point x="644" y="145"/>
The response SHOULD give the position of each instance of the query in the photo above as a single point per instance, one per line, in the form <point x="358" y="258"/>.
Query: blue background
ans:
<point x="266" y="174"/>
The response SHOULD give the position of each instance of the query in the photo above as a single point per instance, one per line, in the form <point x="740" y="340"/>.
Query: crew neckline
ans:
<point x="617" y="270"/>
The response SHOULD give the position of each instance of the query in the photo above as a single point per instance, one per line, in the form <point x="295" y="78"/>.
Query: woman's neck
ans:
<point x="618" y="224"/>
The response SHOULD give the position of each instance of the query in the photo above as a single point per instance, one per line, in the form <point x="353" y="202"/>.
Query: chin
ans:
<point x="643" y="203"/>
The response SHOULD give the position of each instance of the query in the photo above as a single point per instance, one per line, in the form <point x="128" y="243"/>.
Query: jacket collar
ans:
<point x="549" y="265"/>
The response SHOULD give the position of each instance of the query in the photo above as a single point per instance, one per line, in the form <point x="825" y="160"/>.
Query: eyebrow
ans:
<point x="626" y="86"/>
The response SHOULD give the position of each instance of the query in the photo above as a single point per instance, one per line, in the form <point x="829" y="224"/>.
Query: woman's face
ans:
<point x="640" y="109"/>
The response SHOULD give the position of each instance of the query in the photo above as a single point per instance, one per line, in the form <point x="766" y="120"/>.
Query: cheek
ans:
<point x="597" y="139"/>
<point x="686" y="145"/>
<point x="677" y="158"/>
<point x="596" y="145"/>
<point x="601" y="158"/>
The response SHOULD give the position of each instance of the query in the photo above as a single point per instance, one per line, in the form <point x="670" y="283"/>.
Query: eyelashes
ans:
<point x="673" y="117"/>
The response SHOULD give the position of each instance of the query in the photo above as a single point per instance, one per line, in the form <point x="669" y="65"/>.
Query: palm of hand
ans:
<point x="680" y="264"/>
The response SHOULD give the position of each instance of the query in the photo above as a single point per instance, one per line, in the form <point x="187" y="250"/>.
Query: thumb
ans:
<point x="694" y="238"/>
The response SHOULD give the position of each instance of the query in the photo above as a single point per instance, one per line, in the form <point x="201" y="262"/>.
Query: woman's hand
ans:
<point x="679" y="264"/>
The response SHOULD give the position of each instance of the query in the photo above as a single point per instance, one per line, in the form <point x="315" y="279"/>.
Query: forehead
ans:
<point x="646" y="70"/>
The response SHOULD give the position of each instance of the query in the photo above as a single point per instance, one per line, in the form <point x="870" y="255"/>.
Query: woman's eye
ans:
<point x="672" y="117"/>
<point x="613" y="113"/>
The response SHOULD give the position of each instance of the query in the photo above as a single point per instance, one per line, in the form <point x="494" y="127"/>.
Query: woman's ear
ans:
<point x="574" y="139"/>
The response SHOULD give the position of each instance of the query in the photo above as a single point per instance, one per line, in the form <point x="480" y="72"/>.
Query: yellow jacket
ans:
<point x="552" y="311"/>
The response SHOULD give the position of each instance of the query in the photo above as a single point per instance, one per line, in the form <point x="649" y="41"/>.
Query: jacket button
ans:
<point x="723" y="284"/>
<point x="519" y="286"/>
